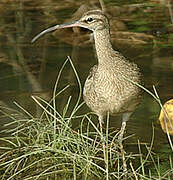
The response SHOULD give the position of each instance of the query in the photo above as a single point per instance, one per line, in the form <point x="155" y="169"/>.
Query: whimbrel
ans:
<point x="109" y="86"/>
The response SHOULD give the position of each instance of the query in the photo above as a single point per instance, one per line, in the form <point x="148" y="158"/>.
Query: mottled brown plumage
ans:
<point x="108" y="87"/>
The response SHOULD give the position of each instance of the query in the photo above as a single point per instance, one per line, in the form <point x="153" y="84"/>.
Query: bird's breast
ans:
<point x="106" y="90"/>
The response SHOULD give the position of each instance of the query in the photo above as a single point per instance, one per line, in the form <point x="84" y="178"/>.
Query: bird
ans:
<point x="112" y="85"/>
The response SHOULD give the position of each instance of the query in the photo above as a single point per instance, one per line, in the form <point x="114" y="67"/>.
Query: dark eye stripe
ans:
<point x="90" y="19"/>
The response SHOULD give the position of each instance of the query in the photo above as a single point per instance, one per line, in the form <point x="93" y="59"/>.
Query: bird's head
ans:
<point x="93" y="20"/>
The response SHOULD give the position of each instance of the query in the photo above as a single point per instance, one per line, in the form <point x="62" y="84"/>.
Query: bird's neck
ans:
<point x="103" y="46"/>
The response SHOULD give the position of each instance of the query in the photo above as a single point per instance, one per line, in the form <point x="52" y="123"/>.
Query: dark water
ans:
<point x="31" y="69"/>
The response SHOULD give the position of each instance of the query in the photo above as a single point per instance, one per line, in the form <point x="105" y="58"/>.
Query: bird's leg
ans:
<point x="102" y="137"/>
<point x="125" y="118"/>
<point x="123" y="127"/>
<point x="101" y="124"/>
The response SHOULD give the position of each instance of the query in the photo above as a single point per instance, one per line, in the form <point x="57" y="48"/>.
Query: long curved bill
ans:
<point x="66" y="25"/>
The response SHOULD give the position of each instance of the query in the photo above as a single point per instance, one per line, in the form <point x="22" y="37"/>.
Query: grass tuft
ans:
<point x="47" y="147"/>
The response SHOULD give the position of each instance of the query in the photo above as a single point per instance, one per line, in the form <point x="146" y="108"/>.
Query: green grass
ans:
<point x="47" y="147"/>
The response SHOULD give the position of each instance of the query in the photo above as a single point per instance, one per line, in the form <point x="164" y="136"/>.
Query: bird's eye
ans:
<point x="89" y="19"/>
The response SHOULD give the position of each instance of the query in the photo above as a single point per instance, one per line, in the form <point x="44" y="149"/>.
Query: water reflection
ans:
<point x="28" y="69"/>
